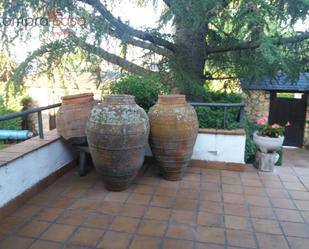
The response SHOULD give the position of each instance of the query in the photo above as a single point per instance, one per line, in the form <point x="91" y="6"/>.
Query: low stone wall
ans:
<point x="212" y="145"/>
<point x="256" y="104"/>
<point x="27" y="165"/>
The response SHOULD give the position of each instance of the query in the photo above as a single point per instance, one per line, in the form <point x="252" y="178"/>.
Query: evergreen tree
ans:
<point x="211" y="39"/>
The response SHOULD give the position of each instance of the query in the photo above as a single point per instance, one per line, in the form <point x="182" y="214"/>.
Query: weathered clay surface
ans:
<point x="117" y="134"/>
<point x="73" y="114"/>
<point x="173" y="131"/>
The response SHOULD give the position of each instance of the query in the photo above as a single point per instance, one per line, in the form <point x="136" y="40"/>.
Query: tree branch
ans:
<point x="142" y="44"/>
<point x="250" y="45"/>
<point x="114" y="59"/>
<point x="168" y="2"/>
<point x="124" y="28"/>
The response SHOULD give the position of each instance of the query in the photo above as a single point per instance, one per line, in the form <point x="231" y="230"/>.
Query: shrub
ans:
<point x="12" y="124"/>
<point x="145" y="89"/>
<point x="222" y="97"/>
<point x="250" y="148"/>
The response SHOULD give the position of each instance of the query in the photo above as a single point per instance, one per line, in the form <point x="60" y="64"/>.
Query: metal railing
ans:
<point x="37" y="110"/>
<point x="241" y="107"/>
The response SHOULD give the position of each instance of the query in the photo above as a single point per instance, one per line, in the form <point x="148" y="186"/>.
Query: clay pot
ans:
<point x="173" y="131"/>
<point x="73" y="114"/>
<point x="117" y="133"/>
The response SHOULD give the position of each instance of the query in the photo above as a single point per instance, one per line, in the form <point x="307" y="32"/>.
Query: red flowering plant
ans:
<point x="270" y="130"/>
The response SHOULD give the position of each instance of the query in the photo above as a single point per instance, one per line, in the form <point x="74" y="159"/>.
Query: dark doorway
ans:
<point x="290" y="107"/>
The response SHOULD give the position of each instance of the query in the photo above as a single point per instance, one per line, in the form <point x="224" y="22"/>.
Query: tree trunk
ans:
<point x="190" y="60"/>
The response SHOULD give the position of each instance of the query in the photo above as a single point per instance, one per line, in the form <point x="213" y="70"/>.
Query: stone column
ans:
<point x="256" y="104"/>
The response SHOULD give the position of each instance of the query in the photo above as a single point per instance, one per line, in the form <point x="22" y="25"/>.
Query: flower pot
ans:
<point x="173" y="131"/>
<point x="268" y="144"/>
<point x="117" y="133"/>
<point x="73" y="114"/>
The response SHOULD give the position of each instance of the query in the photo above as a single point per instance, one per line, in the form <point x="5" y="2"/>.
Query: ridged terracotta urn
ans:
<point x="73" y="114"/>
<point x="117" y="134"/>
<point x="173" y="131"/>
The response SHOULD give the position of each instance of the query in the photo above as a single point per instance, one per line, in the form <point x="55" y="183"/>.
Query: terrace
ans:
<point x="47" y="204"/>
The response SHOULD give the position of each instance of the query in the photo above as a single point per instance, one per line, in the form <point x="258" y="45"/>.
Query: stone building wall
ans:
<point x="256" y="104"/>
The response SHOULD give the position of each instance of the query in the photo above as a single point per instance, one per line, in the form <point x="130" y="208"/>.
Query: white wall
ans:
<point x="218" y="148"/>
<point x="23" y="173"/>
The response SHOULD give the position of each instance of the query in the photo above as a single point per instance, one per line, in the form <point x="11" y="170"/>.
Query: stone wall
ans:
<point x="306" y="135"/>
<point x="256" y="104"/>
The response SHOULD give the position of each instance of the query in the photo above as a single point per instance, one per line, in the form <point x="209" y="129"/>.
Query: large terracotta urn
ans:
<point x="173" y="131"/>
<point x="117" y="134"/>
<point x="73" y="114"/>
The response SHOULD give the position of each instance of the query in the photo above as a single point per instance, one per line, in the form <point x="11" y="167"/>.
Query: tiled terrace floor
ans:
<point x="208" y="209"/>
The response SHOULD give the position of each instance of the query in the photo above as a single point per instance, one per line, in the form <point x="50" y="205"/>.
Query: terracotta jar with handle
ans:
<point x="173" y="131"/>
<point x="117" y="134"/>
<point x="73" y="114"/>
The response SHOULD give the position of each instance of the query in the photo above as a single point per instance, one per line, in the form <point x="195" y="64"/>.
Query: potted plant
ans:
<point x="269" y="137"/>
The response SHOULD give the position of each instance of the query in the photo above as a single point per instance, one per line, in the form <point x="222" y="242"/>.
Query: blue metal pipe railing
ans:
<point x="37" y="110"/>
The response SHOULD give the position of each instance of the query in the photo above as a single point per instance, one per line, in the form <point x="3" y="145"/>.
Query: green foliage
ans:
<point x="145" y="89"/>
<point x="12" y="124"/>
<point x="222" y="97"/>
<point x="250" y="148"/>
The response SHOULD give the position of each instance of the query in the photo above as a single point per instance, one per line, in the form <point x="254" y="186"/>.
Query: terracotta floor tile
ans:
<point x="141" y="199"/>
<point x="27" y="211"/>
<point x="240" y="238"/>
<point x="266" y="226"/>
<point x="49" y="214"/>
<point x="233" y="198"/>
<point x="125" y="224"/>
<point x="72" y="217"/>
<point x="162" y="201"/>
<point x="58" y="232"/>
<point x="234" y="209"/>
<point x="232" y="188"/>
<point x="10" y="224"/>
<point x="86" y="236"/>
<point x="182" y="216"/>
<point x="144" y="242"/>
<point x="300" y="195"/>
<point x="157" y="213"/>
<point x="209" y="246"/>
<point x="206" y="195"/>
<point x="192" y="185"/>
<point x="237" y="222"/>
<point x="258" y="201"/>
<point x="210" y="186"/>
<point x="143" y="189"/>
<point x="100" y="221"/>
<point x="295" y="229"/>
<point x="15" y="242"/>
<point x="132" y="210"/>
<point x="151" y="228"/>
<point x="277" y="193"/>
<point x="188" y="193"/>
<point x="256" y="191"/>
<point x="166" y="191"/>
<point x="33" y="229"/>
<point x="298" y="243"/>
<point x="210" y="235"/>
<point x="181" y="231"/>
<point x="61" y="202"/>
<point x="86" y="204"/>
<point x="185" y="204"/>
<point x="294" y="186"/>
<point x="282" y="203"/>
<point x="211" y="207"/>
<point x="41" y="244"/>
<point x="192" y="177"/>
<point x="210" y="219"/>
<point x="110" y="207"/>
<point x="261" y="212"/>
<point x="115" y="240"/>
<point x="179" y="244"/>
<point x="302" y="205"/>
<point x="288" y="215"/>
<point x="117" y="196"/>
<point x="235" y="180"/>
<point x="267" y="241"/>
